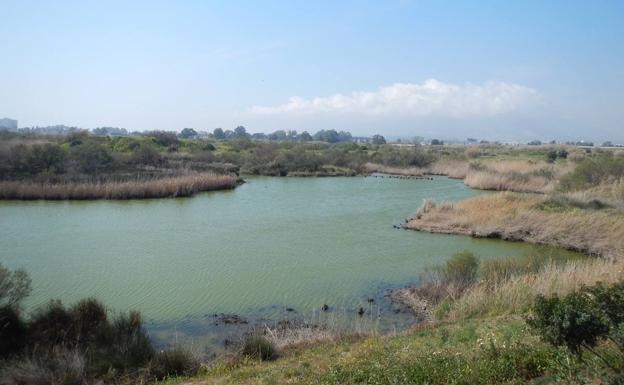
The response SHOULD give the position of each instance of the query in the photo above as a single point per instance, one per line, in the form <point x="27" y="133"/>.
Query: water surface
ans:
<point x="271" y="243"/>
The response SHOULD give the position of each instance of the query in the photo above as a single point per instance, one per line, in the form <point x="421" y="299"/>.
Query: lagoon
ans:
<point x="272" y="243"/>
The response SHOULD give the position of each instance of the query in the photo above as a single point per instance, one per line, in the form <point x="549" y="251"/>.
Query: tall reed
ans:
<point x="176" y="186"/>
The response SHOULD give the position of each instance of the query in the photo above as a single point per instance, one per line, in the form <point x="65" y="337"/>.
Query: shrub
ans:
<point x="175" y="362"/>
<point x="258" y="347"/>
<point x="60" y="366"/>
<point x="461" y="269"/>
<point x="14" y="286"/>
<point x="594" y="170"/>
<point x="124" y="344"/>
<point x="50" y="326"/>
<point x="146" y="154"/>
<point x="13" y="332"/>
<point x="164" y="138"/>
<point x="90" y="156"/>
<point x="88" y="319"/>
<point x="580" y="320"/>
<point x="45" y="157"/>
<point x="573" y="321"/>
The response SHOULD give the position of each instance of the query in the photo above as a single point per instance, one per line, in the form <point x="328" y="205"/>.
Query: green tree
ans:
<point x="305" y="137"/>
<point x="378" y="139"/>
<point x="188" y="133"/>
<point x="240" y="132"/>
<point x="218" y="133"/>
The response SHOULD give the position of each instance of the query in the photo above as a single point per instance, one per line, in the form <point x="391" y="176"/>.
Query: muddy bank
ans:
<point x="408" y="299"/>
<point x="214" y="334"/>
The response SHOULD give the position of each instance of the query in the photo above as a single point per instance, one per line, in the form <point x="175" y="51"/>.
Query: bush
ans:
<point x="124" y="344"/>
<point x="258" y="347"/>
<point x="13" y="332"/>
<point x="45" y="158"/>
<point x="60" y="366"/>
<point x="573" y="321"/>
<point x="581" y="320"/>
<point x="461" y="269"/>
<point x="175" y="362"/>
<point x="50" y="326"/>
<point x="146" y="154"/>
<point x="88" y="319"/>
<point x="594" y="170"/>
<point x="14" y="286"/>
<point x="164" y="138"/>
<point x="90" y="157"/>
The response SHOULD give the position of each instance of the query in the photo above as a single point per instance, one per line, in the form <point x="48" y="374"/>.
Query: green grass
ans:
<point x="490" y="351"/>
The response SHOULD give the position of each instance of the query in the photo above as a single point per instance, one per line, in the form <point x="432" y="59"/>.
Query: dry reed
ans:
<point x="513" y="216"/>
<point x="492" y="180"/>
<point x="515" y="294"/>
<point x="177" y="186"/>
<point x="457" y="169"/>
<point x="380" y="168"/>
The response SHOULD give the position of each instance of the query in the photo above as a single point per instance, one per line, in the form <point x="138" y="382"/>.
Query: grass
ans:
<point x="515" y="175"/>
<point x="175" y="186"/>
<point x="515" y="294"/>
<point x="492" y="351"/>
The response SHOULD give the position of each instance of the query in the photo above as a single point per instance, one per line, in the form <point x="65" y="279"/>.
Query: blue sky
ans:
<point x="488" y="69"/>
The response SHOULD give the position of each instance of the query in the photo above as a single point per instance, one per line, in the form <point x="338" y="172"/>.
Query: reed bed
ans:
<point x="508" y="181"/>
<point x="380" y="168"/>
<point x="514" y="216"/>
<point x="457" y="169"/>
<point x="610" y="193"/>
<point x="176" y="186"/>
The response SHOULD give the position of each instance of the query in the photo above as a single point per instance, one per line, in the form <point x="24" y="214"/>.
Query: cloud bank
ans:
<point x="432" y="98"/>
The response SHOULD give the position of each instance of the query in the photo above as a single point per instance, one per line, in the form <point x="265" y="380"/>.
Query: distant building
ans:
<point x="8" y="124"/>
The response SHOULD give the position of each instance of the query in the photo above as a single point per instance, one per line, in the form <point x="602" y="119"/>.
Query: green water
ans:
<point x="271" y="243"/>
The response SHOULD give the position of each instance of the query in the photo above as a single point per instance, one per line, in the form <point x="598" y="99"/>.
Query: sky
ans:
<point x="447" y="69"/>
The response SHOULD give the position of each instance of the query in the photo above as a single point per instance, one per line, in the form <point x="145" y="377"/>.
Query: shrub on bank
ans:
<point x="592" y="171"/>
<point x="59" y="344"/>
<point x="582" y="320"/>
<point x="258" y="347"/>
<point x="174" y="362"/>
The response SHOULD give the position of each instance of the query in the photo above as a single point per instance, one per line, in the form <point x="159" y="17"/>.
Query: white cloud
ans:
<point x="432" y="98"/>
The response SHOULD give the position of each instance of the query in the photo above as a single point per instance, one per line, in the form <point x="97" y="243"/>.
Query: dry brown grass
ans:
<point x="491" y="180"/>
<point x="515" y="294"/>
<point x="610" y="193"/>
<point x="457" y="169"/>
<point x="516" y="175"/>
<point x="514" y="216"/>
<point x="176" y="186"/>
<point x="380" y="168"/>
